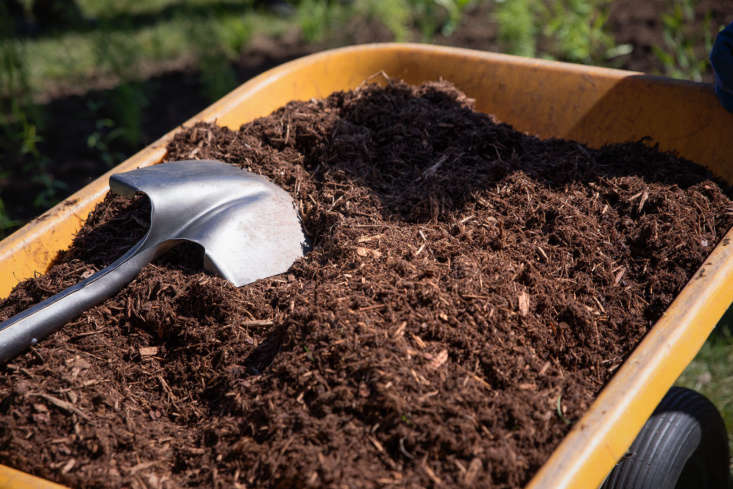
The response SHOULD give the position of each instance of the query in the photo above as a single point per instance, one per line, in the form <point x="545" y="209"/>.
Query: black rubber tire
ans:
<point x="683" y="445"/>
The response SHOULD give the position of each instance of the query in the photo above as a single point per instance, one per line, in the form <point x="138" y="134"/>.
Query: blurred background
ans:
<point x="86" y="83"/>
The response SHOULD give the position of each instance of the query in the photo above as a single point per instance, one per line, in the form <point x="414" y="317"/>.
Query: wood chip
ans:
<point x="431" y="474"/>
<point x="542" y="253"/>
<point x="400" y="330"/>
<point x="364" y="252"/>
<point x="523" y="302"/>
<point x="438" y="360"/>
<point x="141" y="466"/>
<point x="643" y="200"/>
<point x="148" y="351"/>
<point x="60" y="403"/>
<point x="366" y="239"/>
<point x="377" y="445"/>
<point x="619" y="275"/>
<point x="258" y="322"/>
<point x="473" y="471"/>
<point x="418" y="340"/>
<point x="68" y="466"/>
<point x="544" y="368"/>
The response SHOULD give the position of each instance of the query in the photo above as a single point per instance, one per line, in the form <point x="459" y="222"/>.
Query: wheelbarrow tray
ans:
<point x="549" y="99"/>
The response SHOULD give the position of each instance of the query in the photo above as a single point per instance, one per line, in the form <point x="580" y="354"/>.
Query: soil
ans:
<point x="469" y="291"/>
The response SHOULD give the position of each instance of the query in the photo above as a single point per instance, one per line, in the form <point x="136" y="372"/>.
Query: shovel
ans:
<point x="248" y="227"/>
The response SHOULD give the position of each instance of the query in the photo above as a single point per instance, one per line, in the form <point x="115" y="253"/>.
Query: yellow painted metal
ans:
<point x="549" y="99"/>
<point x="15" y="479"/>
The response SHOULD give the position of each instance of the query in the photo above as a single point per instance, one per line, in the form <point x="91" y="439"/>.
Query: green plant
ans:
<point x="569" y="30"/>
<point x="118" y="123"/>
<point x="217" y="76"/>
<point x="50" y="189"/>
<point x="317" y="18"/>
<point x="20" y="120"/>
<point x="7" y="224"/>
<point x="127" y="106"/>
<point x="437" y="16"/>
<point x="215" y="48"/>
<point x="314" y="17"/>
<point x="576" y="30"/>
<point x="102" y="141"/>
<point x="455" y="9"/>
<point x="678" y="54"/>
<point x="517" y="31"/>
<point x="234" y="33"/>
<point x="115" y="53"/>
<point x="394" y="14"/>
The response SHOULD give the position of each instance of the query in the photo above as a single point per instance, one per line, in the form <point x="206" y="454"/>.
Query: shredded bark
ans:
<point x="469" y="291"/>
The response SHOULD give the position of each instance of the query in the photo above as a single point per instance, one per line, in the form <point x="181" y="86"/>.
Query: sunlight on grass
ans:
<point x="101" y="9"/>
<point x="678" y="54"/>
<point x="74" y="57"/>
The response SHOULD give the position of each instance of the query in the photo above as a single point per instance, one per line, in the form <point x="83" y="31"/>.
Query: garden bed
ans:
<point x="469" y="292"/>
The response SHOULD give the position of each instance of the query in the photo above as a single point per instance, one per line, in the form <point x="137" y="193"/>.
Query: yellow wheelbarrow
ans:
<point x="549" y="99"/>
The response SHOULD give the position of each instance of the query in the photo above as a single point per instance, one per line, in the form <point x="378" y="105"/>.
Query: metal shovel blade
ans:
<point x="248" y="227"/>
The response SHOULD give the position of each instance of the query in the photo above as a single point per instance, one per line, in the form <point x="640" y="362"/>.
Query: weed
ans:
<point x="437" y="16"/>
<point x="318" y="18"/>
<point x="215" y="47"/>
<point x="576" y="30"/>
<point x="455" y="9"/>
<point x="517" y="26"/>
<point x="101" y="141"/>
<point x="115" y="53"/>
<point x="7" y="223"/>
<point x="678" y="54"/>
<point x="394" y="14"/>
<point x="128" y="104"/>
<point x="51" y="190"/>
<point x="19" y="126"/>
<point x="217" y="77"/>
<point x="569" y="30"/>
<point x="315" y="17"/>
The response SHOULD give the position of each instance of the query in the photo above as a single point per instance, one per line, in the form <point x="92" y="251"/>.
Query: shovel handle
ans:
<point x="35" y="323"/>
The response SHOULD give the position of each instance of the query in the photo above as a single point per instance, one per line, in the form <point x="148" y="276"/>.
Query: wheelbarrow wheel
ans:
<point x="683" y="445"/>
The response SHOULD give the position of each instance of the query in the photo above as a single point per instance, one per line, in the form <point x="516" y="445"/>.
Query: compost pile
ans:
<point x="470" y="289"/>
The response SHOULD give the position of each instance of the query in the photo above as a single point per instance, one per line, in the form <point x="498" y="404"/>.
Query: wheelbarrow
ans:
<point x="549" y="99"/>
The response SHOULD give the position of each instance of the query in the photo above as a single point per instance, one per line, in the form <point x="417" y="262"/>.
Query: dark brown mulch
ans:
<point x="469" y="292"/>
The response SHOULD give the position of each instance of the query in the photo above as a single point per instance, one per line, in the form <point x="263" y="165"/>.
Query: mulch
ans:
<point x="469" y="291"/>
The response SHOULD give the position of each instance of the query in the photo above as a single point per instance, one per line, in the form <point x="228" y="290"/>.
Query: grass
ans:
<point x="119" y="39"/>
<point x="678" y="54"/>
<point x="68" y="59"/>
<point x="568" y="30"/>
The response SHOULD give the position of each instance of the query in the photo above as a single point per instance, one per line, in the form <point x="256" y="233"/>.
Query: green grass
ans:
<point x="568" y="30"/>
<point x="130" y="36"/>
<point x="106" y="9"/>
<point x="678" y="54"/>
<point x="73" y="58"/>
<point x="518" y="26"/>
